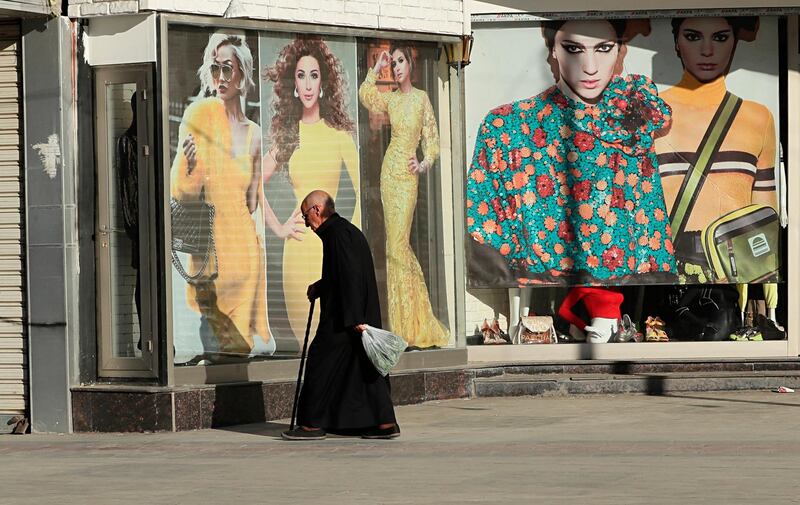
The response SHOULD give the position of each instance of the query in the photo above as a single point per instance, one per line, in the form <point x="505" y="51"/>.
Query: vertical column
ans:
<point x="792" y="154"/>
<point x="459" y="189"/>
<point x="51" y="224"/>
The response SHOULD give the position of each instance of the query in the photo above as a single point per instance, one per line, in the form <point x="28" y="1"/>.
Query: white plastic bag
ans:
<point x="383" y="348"/>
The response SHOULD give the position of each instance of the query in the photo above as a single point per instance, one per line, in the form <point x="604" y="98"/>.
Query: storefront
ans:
<point x="591" y="199"/>
<point x="189" y="142"/>
<point x="207" y="134"/>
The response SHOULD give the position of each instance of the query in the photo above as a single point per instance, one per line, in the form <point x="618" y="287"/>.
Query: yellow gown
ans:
<point x="234" y="304"/>
<point x="315" y="164"/>
<point x="411" y="116"/>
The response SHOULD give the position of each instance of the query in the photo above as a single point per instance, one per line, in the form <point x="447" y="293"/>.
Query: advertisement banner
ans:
<point x="217" y="201"/>
<point x="309" y="108"/>
<point x="626" y="152"/>
<point x="259" y="120"/>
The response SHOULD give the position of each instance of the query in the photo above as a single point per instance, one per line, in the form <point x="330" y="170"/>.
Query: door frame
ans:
<point x="147" y="365"/>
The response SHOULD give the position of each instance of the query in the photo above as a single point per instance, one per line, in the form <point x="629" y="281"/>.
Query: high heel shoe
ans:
<point x="654" y="330"/>
<point x="503" y="336"/>
<point x="489" y="335"/>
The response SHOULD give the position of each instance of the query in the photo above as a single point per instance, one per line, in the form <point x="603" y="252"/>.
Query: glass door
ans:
<point x="123" y="224"/>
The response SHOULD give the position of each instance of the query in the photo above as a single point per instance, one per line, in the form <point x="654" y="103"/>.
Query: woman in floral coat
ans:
<point x="565" y="185"/>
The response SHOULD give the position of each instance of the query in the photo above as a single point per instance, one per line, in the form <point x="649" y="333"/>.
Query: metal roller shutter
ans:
<point x="13" y="357"/>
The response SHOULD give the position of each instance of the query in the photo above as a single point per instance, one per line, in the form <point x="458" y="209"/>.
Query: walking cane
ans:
<point x="302" y="365"/>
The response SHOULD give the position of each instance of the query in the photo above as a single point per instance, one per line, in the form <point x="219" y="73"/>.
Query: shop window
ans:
<point x="627" y="167"/>
<point x="257" y="121"/>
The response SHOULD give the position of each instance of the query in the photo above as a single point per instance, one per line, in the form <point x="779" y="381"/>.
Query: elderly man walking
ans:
<point x="342" y="391"/>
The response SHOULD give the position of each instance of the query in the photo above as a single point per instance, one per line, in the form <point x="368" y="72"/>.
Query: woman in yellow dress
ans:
<point x="311" y="137"/>
<point x="220" y="161"/>
<point x="411" y="116"/>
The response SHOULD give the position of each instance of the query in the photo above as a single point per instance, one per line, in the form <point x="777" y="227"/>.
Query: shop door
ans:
<point x="124" y="217"/>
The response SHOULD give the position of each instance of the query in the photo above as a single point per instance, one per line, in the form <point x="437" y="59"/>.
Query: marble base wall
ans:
<point x="113" y="408"/>
<point x="100" y="408"/>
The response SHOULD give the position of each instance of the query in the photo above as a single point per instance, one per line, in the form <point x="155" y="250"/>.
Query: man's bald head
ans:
<point x="316" y="208"/>
<point x="321" y="199"/>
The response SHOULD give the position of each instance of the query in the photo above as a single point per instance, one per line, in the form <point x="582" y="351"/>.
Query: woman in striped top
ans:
<point x="742" y="172"/>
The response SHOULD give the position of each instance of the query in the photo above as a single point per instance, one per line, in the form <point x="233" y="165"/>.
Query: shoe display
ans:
<point x="654" y="330"/>
<point x="747" y="333"/>
<point x="382" y="433"/>
<point x="770" y="330"/>
<point x="497" y="331"/>
<point x="492" y="333"/>
<point x="301" y="433"/>
<point x="626" y="331"/>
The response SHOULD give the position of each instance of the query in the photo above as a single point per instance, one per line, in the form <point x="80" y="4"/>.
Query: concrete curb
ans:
<point x="656" y="384"/>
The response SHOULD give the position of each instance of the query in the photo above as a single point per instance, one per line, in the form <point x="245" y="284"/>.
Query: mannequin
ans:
<point x="128" y="193"/>
<point x="603" y="306"/>
<point x="770" y="298"/>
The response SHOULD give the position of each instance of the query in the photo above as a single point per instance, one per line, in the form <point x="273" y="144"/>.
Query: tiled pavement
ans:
<point x="693" y="447"/>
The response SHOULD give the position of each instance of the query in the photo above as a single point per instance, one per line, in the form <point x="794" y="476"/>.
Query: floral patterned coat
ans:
<point x="569" y="193"/>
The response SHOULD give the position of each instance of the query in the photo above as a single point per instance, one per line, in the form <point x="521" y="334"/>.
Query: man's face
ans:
<point x="311" y="216"/>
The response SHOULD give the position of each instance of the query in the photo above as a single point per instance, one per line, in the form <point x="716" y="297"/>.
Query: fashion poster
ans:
<point x="397" y="95"/>
<point x="612" y="152"/>
<point x="219" y="307"/>
<point x="310" y="132"/>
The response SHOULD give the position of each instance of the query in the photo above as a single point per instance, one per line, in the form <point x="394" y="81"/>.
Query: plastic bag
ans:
<point x="383" y="348"/>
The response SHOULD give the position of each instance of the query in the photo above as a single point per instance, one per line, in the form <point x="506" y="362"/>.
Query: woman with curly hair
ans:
<point x="311" y="137"/>
<point x="220" y="161"/>
<point x="412" y="119"/>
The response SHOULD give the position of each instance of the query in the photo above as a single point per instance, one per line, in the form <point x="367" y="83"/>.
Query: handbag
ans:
<point x="535" y="330"/>
<point x="741" y="246"/>
<point x="702" y="313"/>
<point x="193" y="233"/>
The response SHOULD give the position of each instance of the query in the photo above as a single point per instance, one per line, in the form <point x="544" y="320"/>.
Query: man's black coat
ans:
<point x="342" y="390"/>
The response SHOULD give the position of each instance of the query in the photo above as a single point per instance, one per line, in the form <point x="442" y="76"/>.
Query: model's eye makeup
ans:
<point x="721" y="36"/>
<point x="691" y="35"/>
<point x="572" y="48"/>
<point x="300" y="74"/>
<point x="314" y="74"/>
<point x="605" y="47"/>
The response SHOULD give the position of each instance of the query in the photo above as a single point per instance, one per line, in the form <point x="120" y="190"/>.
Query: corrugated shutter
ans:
<point x="13" y="357"/>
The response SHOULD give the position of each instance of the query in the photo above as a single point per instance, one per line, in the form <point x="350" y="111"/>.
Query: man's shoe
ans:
<point x="302" y="434"/>
<point x="382" y="433"/>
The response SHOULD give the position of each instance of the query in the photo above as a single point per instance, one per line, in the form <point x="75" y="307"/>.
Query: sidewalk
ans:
<point x="710" y="448"/>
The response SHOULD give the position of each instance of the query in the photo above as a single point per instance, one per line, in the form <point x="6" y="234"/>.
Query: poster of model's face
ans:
<point x="310" y="130"/>
<point x="624" y="152"/>
<point x="217" y="203"/>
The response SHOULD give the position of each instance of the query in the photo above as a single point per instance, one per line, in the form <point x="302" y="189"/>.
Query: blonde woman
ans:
<point x="220" y="161"/>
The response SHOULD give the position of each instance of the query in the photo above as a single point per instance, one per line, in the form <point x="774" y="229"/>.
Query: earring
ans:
<point x="320" y="92"/>
<point x="296" y="94"/>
